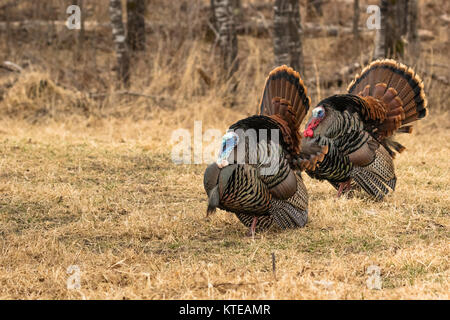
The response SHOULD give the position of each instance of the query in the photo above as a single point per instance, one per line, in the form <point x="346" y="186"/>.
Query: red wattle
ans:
<point x="312" y="125"/>
<point x="308" y="133"/>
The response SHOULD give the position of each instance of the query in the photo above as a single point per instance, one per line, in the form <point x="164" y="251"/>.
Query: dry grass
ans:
<point x="89" y="181"/>
<point x="101" y="198"/>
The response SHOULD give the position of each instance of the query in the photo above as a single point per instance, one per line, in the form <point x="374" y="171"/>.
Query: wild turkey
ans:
<point x="255" y="175"/>
<point x="357" y="127"/>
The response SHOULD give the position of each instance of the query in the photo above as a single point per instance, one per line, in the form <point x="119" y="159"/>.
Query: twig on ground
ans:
<point x="11" y="66"/>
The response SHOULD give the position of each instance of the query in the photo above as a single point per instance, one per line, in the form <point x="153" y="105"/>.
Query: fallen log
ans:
<point x="156" y="98"/>
<point x="255" y="27"/>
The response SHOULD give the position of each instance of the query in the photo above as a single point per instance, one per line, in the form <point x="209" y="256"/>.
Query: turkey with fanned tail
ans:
<point x="358" y="127"/>
<point x="257" y="173"/>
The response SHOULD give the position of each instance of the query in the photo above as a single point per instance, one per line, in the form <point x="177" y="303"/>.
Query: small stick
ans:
<point x="274" y="266"/>
<point x="11" y="66"/>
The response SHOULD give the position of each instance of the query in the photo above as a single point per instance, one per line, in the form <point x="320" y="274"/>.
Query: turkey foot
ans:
<point x="344" y="187"/>
<point x="251" y="231"/>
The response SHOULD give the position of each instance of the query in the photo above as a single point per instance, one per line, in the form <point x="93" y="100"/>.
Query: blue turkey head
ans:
<point x="229" y="141"/>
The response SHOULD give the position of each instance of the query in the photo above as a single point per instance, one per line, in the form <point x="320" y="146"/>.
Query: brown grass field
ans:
<point x="90" y="182"/>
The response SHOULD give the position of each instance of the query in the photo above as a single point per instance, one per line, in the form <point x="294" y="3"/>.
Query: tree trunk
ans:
<point x="398" y="28"/>
<point x="281" y="14"/>
<point x="237" y="7"/>
<point x="136" y="24"/>
<point x="80" y="40"/>
<point x="224" y="14"/>
<point x="380" y="37"/>
<point x="118" y="32"/>
<point x="413" y="37"/>
<point x="295" y="38"/>
<point x="212" y="19"/>
<point x="287" y="34"/>
<point x="356" y="15"/>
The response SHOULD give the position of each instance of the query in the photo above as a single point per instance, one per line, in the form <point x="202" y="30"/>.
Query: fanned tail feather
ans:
<point x="285" y="100"/>
<point x="285" y="94"/>
<point x="399" y="89"/>
<point x="394" y="145"/>
<point x="405" y="129"/>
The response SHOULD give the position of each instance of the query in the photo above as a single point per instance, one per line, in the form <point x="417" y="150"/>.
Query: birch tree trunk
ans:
<point x="136" y="24"/>
<point x="119" y="38"/>
<point x="225" y="20"/>
<point x="287" y="34"/>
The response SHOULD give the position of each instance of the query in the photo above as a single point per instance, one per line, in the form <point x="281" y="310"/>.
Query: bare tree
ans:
<point x="225" y="21"/>
<point x="396" y="24"/>
<point x="237" y="8"/>
<point x="287" y="35"/>
<point x="118" y="31"/>
<point x="295" y="38"/>
<point x="380" y="37"/>
<point x="281" y="14"/>
<point x="212" y="18"/>
<point x="136" y="10"/>
<point x="413" y="37"/>
<point x="356" y="15"/>
<point x="398" y="28"/>
<point x="80" y="41"/>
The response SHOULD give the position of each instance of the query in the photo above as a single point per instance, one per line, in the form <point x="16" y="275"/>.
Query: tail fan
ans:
<point x="285" y="85"/>
<point x="399" y="88"/>
<point x="285" y="98"/>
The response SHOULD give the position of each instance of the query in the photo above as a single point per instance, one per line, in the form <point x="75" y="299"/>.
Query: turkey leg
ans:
<point x="344" y="187"/>
<point x="251" y="232"/>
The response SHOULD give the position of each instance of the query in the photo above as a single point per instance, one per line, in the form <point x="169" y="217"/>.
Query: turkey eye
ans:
<point x="318" y="112"/>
